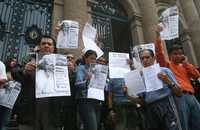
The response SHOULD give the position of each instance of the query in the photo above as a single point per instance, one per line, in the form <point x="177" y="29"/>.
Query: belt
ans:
<point x="187" y="92"/>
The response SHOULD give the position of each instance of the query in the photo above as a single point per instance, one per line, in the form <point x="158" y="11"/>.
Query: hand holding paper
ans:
<point x="163" y="76"/>
<point x="134" y="83"/>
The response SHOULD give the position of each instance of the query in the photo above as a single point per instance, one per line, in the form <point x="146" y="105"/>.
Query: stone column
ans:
<point x="193" y="21"/>
<point x="76" y="10"/>
<point x="136" y="30"/>
<point x="149" y="18"/>
<point x="197" y="4"/>
<point x="188" y="48"/>
<point x="135" y="18"/>
<point x="57" y="14"/>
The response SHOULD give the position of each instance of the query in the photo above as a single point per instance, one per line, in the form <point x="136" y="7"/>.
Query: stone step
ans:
<point x="13" y="125"/>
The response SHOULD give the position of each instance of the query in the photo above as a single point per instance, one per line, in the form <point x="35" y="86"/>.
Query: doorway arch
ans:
<point x="114" y="21"/>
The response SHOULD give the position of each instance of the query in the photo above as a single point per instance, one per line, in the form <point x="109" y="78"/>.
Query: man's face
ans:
<point x="177" y="56"/>
<point x="13" y="62"/>
<point x="146" y="58"/>
<point x="70" y="58"/>
<point x="46" y="45"/>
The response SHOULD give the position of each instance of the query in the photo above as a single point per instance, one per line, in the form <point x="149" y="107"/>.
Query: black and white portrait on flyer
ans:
<point x="9" y="94"/>
<point x="52" y="76"/>
<point x="68" y="35"/>
<point x="169" y="21"/>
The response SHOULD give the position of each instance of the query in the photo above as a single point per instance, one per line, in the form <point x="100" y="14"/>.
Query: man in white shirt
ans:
<point x="4" y="112"/>
<point x="3" y="76"/>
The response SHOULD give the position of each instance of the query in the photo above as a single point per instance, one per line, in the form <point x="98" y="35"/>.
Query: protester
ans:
<point x="125" y="111"/>
<point x="123" y="114"/>
<point x="69" y="109"/>
<point x="104" y="109"/>
<point x="4" y="112"/>
<point x="88" y="109"/>
<point x="189" y="108"/>
<point x="3" y="76"/>
<point x="160" y="106"/>
<point x="42" y="113"/>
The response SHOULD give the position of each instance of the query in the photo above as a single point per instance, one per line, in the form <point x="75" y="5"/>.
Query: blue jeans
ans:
<point x="89" y="110"/>
<point x="189" y="111"/>
<point x="4" y="117"/>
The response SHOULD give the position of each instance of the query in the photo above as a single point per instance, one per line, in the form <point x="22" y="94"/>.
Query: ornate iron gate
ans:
<point x="103" y="12"/>
<point x="104" y="29"/>
<point x="16" y="16"/>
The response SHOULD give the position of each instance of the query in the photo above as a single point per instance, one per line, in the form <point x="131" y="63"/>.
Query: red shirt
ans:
<point x="182" y="72"/>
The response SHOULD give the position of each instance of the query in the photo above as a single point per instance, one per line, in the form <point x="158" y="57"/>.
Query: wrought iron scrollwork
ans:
<point x="32" y="35"/>
<point x="102" y="13"/>
<point x="17" y="17"/>
<point x="2" y="28"/>
<point x="109" y="7"/>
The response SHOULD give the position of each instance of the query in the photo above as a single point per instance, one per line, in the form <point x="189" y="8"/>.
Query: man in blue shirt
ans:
<point x="126" y="114"/>
<point x="161" y="109"/>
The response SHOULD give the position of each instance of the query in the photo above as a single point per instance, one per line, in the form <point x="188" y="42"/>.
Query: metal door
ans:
<point x="16" y="16"/>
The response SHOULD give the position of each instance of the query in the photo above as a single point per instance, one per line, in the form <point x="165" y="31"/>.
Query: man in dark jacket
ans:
<point x="41" y="113"/>
<point x="30" y="115"/>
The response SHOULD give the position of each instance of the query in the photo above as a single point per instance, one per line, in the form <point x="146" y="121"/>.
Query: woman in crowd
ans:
<point x="88" y="109"/>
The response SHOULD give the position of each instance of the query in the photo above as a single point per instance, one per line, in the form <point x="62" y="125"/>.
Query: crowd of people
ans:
<point x="173" y="107"/>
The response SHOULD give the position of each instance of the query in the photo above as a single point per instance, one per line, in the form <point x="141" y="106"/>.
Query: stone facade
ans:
<point x="143" y="16"/>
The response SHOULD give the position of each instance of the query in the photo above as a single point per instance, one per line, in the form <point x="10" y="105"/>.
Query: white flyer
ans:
<point x="9" y="94"/>
<point x="99" y="77"/>
<point x="170" y="23"/>
<point x="90" y="32"/>
<point x="152" y="82"/>
<point x="52" y="78"/>
<point x="88" y="36"/>
<point x="68" y="35"/>
<point x="118" y="65"/>
<point x="95" y="93"/>
<point x="135" y="83"/>
<point x="98" y="82"/>
<point x="61" y="76"/>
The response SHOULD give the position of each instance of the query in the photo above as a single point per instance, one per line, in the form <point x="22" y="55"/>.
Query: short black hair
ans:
<point x="175" y="47"/>
<point x="46" y="36"/>
<point x="149" y="50"/>
<point x="50" y="37"/>
<point x="90" y="52"/>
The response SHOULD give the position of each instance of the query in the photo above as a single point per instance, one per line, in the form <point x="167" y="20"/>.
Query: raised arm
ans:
<point x="160" y="56"/>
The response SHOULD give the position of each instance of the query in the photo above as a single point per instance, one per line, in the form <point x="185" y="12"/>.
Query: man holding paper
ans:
<point x="183" y="72"/>
<point x="158" y="94"/>
<point x="118" y="103"/>
<point x="41" y="113"/>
